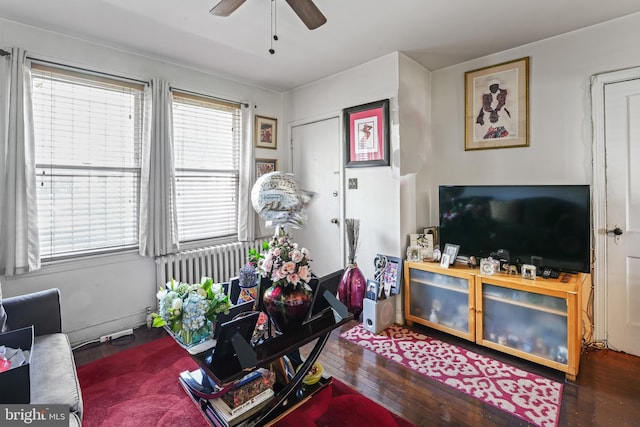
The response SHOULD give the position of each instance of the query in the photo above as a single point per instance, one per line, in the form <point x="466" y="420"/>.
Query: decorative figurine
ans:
<point x="472" y="262"/>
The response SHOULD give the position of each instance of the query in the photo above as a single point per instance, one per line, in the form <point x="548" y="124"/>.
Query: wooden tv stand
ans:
<point x="537" y="320"/>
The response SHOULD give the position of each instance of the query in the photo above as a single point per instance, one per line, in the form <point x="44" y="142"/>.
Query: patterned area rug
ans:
<point x="527" y="396"/>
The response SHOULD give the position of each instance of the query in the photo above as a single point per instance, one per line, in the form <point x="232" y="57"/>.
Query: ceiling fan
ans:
<point x="305" y="9"/>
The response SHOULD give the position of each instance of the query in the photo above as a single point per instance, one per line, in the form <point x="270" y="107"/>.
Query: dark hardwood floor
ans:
<point x="606" y="392"/>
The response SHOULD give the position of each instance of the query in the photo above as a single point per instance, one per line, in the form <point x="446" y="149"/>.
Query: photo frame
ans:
<point x="497" y="106"/>
<point x="371" y="292"/>
<point x="528" y="271"/>
<point x="266" y="132"/>
<point x="366" y="134"/>
<point x="451" y="251"/>
<point x="414" y="253"/>
<point x="391" y="277"/>
<point x="445" y="261"/>
<point x="265" y="166"/>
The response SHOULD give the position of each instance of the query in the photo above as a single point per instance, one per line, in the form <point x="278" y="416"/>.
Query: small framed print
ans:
<point x="528" y="271"/>
<point x="372" y="290"/>
<point x="266" y="132"/>
<point x="424" y="242"/>
<point x="265" y="166"/>
<point x="452" y="251"/>
<point x="414" y="253"/>
<point x="445" y="260"/>
<point x="366" y="133"/>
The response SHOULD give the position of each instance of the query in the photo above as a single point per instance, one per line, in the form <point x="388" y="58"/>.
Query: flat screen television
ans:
<point x="545" y="225"/>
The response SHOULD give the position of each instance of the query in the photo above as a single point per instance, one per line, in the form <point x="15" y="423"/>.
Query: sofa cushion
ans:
<point x="53" y="373"/>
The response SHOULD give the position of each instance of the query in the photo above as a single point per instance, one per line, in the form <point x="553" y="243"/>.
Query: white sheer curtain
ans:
<point x="158" y="215"/>
<point x="246" y="214"/>
<point x="19" y="236"/>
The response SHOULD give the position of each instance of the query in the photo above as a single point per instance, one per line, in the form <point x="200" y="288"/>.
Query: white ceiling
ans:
<point x="435" y="33"/>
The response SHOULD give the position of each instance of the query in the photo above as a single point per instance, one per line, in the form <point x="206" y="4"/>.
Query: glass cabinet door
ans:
<point x="528" y="322"/>
<point x="440" y="301"/>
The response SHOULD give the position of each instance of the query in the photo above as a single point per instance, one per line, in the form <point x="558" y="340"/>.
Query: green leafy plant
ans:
<point x="189" y="310"/>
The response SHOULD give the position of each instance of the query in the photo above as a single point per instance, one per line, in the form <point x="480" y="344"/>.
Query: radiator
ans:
<point x="220" y="262"/>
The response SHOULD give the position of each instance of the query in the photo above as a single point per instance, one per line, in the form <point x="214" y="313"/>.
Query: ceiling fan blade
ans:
<point x="308" y="12"/>
<point x="226" y="7"/>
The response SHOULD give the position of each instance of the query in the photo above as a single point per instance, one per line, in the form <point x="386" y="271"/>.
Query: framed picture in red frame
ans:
<point x="366" y="132"/>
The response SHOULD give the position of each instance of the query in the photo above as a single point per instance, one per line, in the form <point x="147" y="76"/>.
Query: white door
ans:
<point x="622" y="148"/>
<point x="316" y="166"/>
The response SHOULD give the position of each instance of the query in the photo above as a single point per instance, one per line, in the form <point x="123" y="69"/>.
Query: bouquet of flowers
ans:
<point x="285" y="263"/>
<point x="190" y="311"/>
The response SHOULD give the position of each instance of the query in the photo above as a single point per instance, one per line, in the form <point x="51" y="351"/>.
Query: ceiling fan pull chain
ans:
<point x="274" y="25"/>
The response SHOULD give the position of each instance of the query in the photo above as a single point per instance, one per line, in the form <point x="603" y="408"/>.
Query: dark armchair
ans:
<point x="53" y="375"/>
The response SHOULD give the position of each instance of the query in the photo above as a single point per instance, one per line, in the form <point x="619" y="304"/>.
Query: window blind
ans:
<point x="206" y="135"/>
<point x="88" y="131"/>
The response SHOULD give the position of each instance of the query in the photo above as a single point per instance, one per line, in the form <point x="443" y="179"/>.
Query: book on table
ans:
<point x="248" y="387"/>
<point x="231" y="416"/>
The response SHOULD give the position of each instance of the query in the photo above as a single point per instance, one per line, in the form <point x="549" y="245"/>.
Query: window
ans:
<point x="206" y="137"/>
<point x="88" y="131"/>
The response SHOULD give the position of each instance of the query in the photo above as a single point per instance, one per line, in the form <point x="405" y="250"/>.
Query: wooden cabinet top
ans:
<point x="567" y="282"/>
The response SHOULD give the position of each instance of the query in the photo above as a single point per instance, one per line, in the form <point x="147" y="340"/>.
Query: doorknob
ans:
<point x="617" y="231"/>
<point x="333" y="220"/>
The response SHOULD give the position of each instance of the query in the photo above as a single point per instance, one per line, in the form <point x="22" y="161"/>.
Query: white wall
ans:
<point x="376" y="200"/>
<point x="414" y="98"/>
<point x="110" y="293"/>
<point x="560" y="110"/>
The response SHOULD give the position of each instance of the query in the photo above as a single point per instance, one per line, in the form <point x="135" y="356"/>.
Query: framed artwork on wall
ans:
<point x="266" y="132"/>
<point x="497" y="106"/>
<point x="366" y="133"/>
<point x="265" y="166"/>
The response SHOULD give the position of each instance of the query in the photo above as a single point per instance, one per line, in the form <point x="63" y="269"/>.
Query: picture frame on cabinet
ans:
<point x="497" y="106"/>
<point x="266" y="132"/>
<point x="366" y="132"/>
<point x="414" y="253"/>
<point x="452" y="251"/>
<point x="528" y="271"/>
<point x="444" y="261"/>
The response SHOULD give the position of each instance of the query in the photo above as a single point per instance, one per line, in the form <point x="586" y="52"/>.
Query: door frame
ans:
<point x="342" y="186"/>
<point x="599" y="283"/>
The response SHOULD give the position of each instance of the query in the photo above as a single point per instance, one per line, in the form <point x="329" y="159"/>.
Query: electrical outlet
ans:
<point x="116" y="335"/>
<point x="353" y="183"/>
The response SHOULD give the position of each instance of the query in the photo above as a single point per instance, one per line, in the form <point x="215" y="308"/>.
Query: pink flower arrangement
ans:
<point x="285" y="263"/>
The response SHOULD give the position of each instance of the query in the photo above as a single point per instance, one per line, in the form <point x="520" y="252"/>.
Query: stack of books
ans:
<point x="233" y="416"/>
<point x="248" y="396"/>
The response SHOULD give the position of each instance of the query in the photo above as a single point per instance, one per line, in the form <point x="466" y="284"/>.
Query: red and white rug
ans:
<point x="527" y="396"/>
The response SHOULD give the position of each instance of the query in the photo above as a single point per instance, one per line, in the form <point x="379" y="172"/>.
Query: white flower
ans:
<point x="176" y="304"/>
<point x="162" y="293"/>
<point x="216" y="288"/>
<point x="296" y="256"/>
